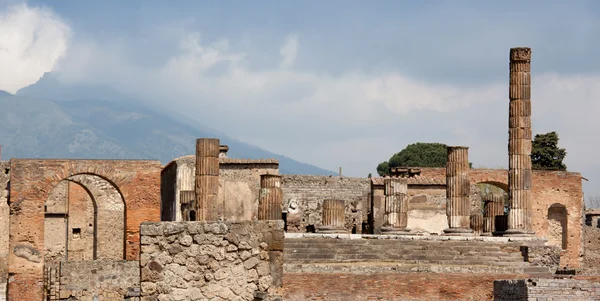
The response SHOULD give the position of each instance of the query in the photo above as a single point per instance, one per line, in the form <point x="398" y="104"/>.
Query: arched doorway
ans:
<point x="84" y="220"/>
<point x="557" y="225"/>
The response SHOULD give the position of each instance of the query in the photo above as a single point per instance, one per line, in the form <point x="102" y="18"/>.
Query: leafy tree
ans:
<point x="545" y="153"/>
<point x="418" y="154"/>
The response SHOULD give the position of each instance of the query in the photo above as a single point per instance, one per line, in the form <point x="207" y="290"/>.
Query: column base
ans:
<point x="518" y="232"/>
<point x="459" y="232"/>
<point x="331" y="230"/>
<point x="486" y="234"/>
<point x="392" y="231"/>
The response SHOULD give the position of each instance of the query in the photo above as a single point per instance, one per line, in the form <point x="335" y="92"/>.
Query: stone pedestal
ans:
<point x="270" y="198"/>
<point x="396" y="206"/>
<point x="519" y="143"/>
<point x="334" y="217"/>
<point x="493" y="206"/>
<point x="458" y="191"/>
<point x="207" y="181"/>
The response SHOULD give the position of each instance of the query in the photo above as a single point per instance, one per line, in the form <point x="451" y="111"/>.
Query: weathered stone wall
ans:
<point x="239" y="184"/>
<point x="591" y="240"/>
<point x="32" y="180"/>
<point x="98" y="280"/>
<point x="211" y="261"/>
<point x="303" y="197"/>
<point x="4" y="225"/>
<point x="545" y="289"/>
<point x="550" y="189"/>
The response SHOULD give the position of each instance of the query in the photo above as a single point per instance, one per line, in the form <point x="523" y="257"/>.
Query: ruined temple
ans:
<point x="210" y="227"/>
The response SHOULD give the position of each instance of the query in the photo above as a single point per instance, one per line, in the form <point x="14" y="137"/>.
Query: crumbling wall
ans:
<point x="32" y="180"/>
<point x="545" y="289"/>
<point x="4" y="225"/>
<point x="202" y="261"/>
<point x="303" y="197"/>
<point x="427" y="208"/>
<point x="81" y="225"/>
<point x="591" y="256"/>
<point x="98" y="280"/>
<point x="239" y="184"/>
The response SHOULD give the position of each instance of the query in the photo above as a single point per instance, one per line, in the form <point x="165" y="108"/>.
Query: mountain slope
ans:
<point x="43" y="121"/>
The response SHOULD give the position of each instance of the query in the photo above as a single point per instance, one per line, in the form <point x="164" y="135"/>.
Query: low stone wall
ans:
<point x="98" y="280"/>
<point x="545" y="289"/>
<point x="206" y="261"/>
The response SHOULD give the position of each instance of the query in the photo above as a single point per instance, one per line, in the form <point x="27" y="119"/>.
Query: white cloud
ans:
<point x="289" y="51"/>
<point x="32" y="40"/>
<point x="354" y="119"/>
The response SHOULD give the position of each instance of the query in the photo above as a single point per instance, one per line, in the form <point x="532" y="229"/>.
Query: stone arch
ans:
<point x="93" y="219"/>
<point x="557" y="233"/>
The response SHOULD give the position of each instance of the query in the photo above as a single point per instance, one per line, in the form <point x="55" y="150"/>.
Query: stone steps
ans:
<point x="325" y="254"/>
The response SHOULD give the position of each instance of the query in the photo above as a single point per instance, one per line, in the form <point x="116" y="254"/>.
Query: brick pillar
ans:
<point x="396" y="205"/>
<point x="519" y="143"/>
<point x="493" y="206"/>
<point x="458" y="191"/>
<point x="270" y="198"/>
<point x="207" y="180"/>
<point x="334" y="217"/>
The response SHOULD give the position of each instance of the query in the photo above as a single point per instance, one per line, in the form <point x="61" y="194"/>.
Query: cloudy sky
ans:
<point x="333" y="83"/>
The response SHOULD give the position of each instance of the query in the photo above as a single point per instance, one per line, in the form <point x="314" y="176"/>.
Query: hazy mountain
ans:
<point x="49" y="120"/>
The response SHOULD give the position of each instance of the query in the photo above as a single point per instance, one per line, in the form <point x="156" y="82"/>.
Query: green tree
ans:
<point x="418" y="154"/>
<point x="545" y="153"/>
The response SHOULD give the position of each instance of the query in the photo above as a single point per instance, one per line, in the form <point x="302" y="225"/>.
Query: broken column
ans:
<point x="519" y="143"/>
<point x="493" y="206"/>
<point x="334" y="217"/>
<point x="207" y="181"/>
<point x="270" y="198"/>
<point x="458" y="191"/>
<point x="396" y="205"/>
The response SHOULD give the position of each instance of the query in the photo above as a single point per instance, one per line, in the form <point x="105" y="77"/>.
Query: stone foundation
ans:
<point x="545" y="289"/>
<point x="203" y="260"/>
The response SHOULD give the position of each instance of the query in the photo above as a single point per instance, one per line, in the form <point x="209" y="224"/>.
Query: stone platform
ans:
<point x="366" y="254"/>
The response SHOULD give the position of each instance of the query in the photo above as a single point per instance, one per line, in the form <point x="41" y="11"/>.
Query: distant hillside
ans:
<point x="47" y="120"/>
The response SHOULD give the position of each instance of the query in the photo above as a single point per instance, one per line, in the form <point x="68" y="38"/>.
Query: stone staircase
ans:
<point x="319" y="254"/>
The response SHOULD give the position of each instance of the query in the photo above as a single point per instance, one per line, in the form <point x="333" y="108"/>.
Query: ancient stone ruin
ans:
<point x="210" y="227"/>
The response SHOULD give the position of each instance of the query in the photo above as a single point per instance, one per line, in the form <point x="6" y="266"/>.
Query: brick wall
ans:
<point x="96" y="280"/>
<point x="4" y="226"/>
<point x="216" y="261"/>
<point x="303" y="197"/>
<point x="591" y="258"/>
<point x="31" y="182"/>
<point x="545" y="289"/>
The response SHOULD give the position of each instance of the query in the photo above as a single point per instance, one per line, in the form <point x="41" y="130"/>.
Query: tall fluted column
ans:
<point x="396" y="205"/>
<point x="458" y="191"/>
<point x="334" y="217"/>
<point x="477" y="223"/>
<point x="270" y="198"/>
<point x="207" y="180"/>
<point x="519" y="143"/>
<point x="493" y="206"/>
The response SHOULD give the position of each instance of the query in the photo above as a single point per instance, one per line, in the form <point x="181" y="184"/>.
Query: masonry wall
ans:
<point x="97" y="280"/>
<point x="545" y="289"/>
<point x="32" y="180"/>
<point x="591" y="239"/>
<point x="553" y="192"/>
<point x="303" y="197"/>
<point x="4" y="226"/>
<point x="224" y="261"/>
<point x="238" y="190"/>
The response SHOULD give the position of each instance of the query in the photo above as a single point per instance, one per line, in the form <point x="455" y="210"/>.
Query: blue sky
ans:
<point x="332" y="83"/>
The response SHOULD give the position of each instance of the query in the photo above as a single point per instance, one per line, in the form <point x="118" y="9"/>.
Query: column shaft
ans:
<point x="519" y="143"/>
<point x="396" y="205"/>
<point x="493" y="206"/>
<point x="270" y="198"/>
<point x="334" y="217"/>
<point x="207" y="180"/>
<point x="458" y="191"/>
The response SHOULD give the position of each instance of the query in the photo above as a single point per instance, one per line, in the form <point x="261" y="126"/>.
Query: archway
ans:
<point x="557" y="225"/>
<point x="84" y="220"/>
